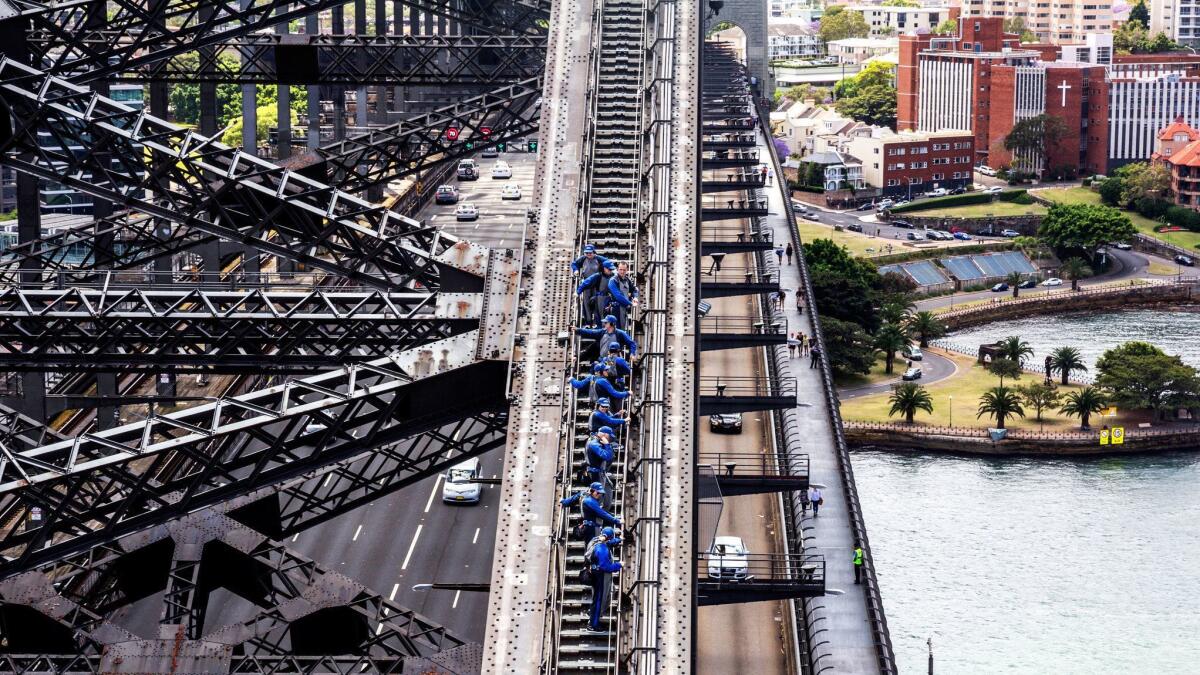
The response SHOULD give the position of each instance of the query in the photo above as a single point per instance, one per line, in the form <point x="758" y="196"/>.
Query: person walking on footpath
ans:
<point x="779" y="255"/>
<point x="792" y="344"/>
<point x="788" y="252"/>
<point x="814" y="498"/>
<point x="799" y="303"/>
<point x="814" y="357"/>
<point x="858" y="562"/>
<point x="781" y="298"/>
<point x="804" y="502"/>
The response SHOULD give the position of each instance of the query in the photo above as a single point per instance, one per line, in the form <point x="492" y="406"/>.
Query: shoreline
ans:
<point x="899" y="440"/>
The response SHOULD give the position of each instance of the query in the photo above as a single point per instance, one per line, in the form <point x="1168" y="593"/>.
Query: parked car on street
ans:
<point x="1185" y="261"/>
<point x="1052" y="281"/>
<point x="459" y="487"/>
<point x="912" y="353"/>
<point x="466" y="211"/>
<point x="1000" y="287"/>
<point x="865" y="207"/>
<point x="911" y="374"/>
<point x="446" y="194"/>
<point x="1028" y="283"/>
<point x="986" y="170"/>
<point x="854" y="227"/>
<point x="885" y="204"/>
<point x="725" y="423"/>
<point x="995" y="189"/>
<point x="728" y="559"/>
<point x="962" y="236"/>
<point x="915" y="236"/>
<point x="900" y="222"/>
<point x="940" y="192"/>
<point x="1009" y="233"/>
<point x="959" y="191"/>
<point x="1123" y="245"/>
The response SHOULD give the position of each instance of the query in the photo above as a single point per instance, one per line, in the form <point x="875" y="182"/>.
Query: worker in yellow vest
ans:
<point x="858" y="562"/>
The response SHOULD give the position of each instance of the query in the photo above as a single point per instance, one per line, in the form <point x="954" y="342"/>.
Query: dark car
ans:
<point x="913" y="373"/>
<point x="446" y="194"/>
<point x="1000" y="287"/>
<point x="900" y="222"/>
<point x="1185" y="261"/>
<point x="1028" y="283"/>
<point x="854" y="227"/>
<point x="725" y="423"/>
<point x="959" y="191"/>
<point x="916" y="236"/>
<point x="490" y="152"/>
<point x="865" y="207"/>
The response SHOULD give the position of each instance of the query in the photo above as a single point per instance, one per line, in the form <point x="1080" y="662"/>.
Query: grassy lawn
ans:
<point x="1082" y="195"/>
<point x="995" y="208"/>
<point x="864" y="245"/>
<point x="1161" y="269"/>
<point x="965" y="386"/>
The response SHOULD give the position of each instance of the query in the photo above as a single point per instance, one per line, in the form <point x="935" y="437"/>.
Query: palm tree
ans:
<point x="1014" y="282"/>
<point x="1014" y="348"/>
<point x="1000" y="403"/>
<point x="889" y="339"/>
<point x="927" y="326"/>
<point x="1066" y="360"/>
<point x="907" y="398"/>
<point x="896" y="310"/>
<point x="1075" y="269"/>
<point x="1082" y="404"/>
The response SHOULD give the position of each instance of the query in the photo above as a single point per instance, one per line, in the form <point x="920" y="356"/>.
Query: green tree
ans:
<point x="1131" y="37"/>
<point x="907" y="398"/>
<point x="1015" y="349"/>
<point x="1111" y="191"/>
<point x="718" y="27"/>
<point x="1039" y="396"/>
<point x="1014" y="280"/>
<point x="900" y="3"/>
<point x="1003" y="368"/>
<point x="1140" y="376"/>
<point x="874" y="105"/>
<point x="848" y="347"/>
<point x="846" y="287"/>
<point x="1000" y="403"/>
<point x="1139" y="14"/>
<point x="1182" y="216"/>
<point x="947" y="27"/>
<point x="890" y="339"/>
<point x="1084" y="226"/>
<point x="1083" y="404"/>
<point x="926" y="326"/>
<point x="1032" y="138"/>
<point x="805" y="91"/>
<point x="1143" y="180"/>
<point x="839" y="23"/>
<point x="184" y="98"/>
<point x="1075" y="269"/>
<point x="895" y="309"/>
<point x="1016" y="25"/>
<point x="1066" y="360"/>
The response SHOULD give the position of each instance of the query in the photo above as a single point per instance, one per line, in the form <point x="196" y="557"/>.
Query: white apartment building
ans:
<point x="1179" y="19"/>
<point x="858" y="50"/>
<point x="894" y="20"/>
<point x="802" y="10"/>
<point x="1051" y="20"/>
<point x="1140" y="102"/>
<point x="803" y="122"/>
<point x="792" y="40"/>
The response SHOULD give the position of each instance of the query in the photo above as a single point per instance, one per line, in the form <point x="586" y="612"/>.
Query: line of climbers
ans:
<point x="607" y="295"/>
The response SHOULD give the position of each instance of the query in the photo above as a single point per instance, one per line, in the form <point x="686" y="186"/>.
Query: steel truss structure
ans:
<point x="223" y="331"/>
<point x="72" y="36"/>
<point x="294" y="606"/>
<point x="392" y="60"/>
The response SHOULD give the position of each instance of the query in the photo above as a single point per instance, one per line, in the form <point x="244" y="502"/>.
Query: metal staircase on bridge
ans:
<point x="611" y="216"/>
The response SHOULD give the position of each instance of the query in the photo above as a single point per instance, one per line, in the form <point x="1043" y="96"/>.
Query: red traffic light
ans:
<point x="486" y="131"/>
<point x="451" y="133"/>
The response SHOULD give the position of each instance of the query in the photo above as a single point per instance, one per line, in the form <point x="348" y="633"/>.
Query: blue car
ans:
<point x="962" y="236"/>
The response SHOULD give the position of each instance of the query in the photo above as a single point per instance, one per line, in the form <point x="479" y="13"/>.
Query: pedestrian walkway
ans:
<point x="846" y="629"/>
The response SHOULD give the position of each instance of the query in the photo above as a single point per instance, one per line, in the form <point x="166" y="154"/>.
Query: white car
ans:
<point x="940" y="192"/>
<point x="728" y="559"/>
<point x="501" y="170"/>
<point x="986" y="170"/>
<point x="511" y="191"/>
<point x="995" y="189"/>
<point x="466" y="211"/>
<point x="460" y="486"/>
<point x="1052" y="281"/>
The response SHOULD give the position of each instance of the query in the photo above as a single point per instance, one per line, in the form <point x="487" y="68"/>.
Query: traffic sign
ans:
<point x="1104" y="437"/>
<point x="533" y="146"/>
<point x="486" y="131"/>
<point x="501" y="147"/>
<point x="451" y="133"/>
<point x="1118" y="435"/>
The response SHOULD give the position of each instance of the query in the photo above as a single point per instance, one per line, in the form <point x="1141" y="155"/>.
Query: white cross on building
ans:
<point x="1063" y="87"/>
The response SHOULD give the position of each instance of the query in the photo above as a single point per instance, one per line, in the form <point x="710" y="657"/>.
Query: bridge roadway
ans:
<point x="411" y="537"/>
<point x="846" y="628"/>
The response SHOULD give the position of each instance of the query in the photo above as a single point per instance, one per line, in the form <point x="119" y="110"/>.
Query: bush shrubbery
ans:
<point x="942" y="202"/>
<point x="1016" y="197"/>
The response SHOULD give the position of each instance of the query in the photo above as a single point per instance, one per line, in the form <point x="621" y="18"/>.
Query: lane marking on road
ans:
<point x="357" y="532"/>
<point x="395" y="588"/>
<point x="476" y="537"/>
<point x="432" y="493"/>
<point x="454" y="605"/>
<point x="411" y="546"/>
<point x="295" y="536"/>
<point x="328" y="477"/>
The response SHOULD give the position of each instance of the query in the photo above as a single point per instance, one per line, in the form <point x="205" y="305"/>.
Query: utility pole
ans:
<point x="929" y="642"/>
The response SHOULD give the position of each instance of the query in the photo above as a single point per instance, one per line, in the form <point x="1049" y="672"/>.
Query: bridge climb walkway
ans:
<point x="846" y="629"/>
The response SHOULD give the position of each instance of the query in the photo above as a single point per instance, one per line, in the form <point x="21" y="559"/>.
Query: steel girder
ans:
<point x="294" y="606"/>
<point x="225" y="331"/>
<point x="420" y="143"/>
<point x="70" y="38"/>
<point x="65" y="133"/>
<point x="393" y="60"/>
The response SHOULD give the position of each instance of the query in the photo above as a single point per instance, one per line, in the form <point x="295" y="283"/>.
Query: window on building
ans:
<point x="892" y="182"/>
<point x="939" y="176"/>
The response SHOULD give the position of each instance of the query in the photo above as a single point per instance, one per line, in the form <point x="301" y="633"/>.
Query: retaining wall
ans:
<point x="1146" y="295"/>
<point x="859" y="436"/>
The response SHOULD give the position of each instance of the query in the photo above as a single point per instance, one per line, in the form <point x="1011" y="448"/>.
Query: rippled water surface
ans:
<point x="1043" y="566"/>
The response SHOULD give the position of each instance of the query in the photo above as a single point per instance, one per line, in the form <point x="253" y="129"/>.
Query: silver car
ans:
<point x="460" y="486"/>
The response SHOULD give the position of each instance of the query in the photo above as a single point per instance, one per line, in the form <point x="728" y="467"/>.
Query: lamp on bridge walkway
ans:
<point x="716" y="262"/>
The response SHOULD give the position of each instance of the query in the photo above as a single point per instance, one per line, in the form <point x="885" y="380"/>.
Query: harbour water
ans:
<point x="1043" y="565"/>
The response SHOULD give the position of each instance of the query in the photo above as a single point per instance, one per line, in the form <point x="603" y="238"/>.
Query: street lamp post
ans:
<point x="951" y="411"/>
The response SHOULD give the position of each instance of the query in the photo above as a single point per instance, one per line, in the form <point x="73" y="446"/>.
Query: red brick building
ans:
<point x="908" y="163"/>
<point x="1179" y="150"/>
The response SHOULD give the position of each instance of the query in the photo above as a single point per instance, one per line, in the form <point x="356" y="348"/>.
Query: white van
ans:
<point x="986" y="170"/>
<point x="459" y="486"/>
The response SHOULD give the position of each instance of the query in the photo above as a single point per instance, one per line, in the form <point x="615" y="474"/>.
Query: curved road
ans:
<point x="934" y="367"/>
